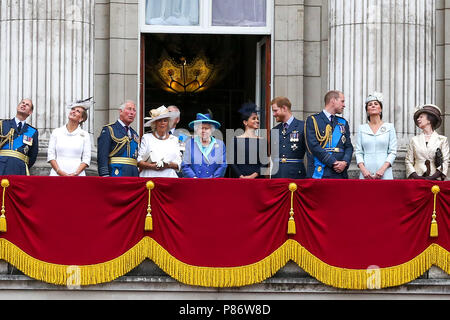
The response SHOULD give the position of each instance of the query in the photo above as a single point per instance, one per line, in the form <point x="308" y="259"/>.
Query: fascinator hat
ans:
<point x="160" y="113"/>
<point x="204" y="118"/>
<point x="432" y="110"/>
<point x="85" y="104"/>
<point x="376" y="96"/>
<point x="247" y="109"/>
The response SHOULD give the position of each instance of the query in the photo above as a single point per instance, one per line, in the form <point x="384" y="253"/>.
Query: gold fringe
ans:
<point x="225" y="277"/>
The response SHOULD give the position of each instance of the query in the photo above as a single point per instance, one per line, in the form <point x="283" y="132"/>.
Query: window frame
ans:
<point x="205" y="22"/>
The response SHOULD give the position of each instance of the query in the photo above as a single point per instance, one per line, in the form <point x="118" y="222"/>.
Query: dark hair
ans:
<point x="381" y="105"/>
<point x="246" y="110"/>
<point x="433" y="120"/>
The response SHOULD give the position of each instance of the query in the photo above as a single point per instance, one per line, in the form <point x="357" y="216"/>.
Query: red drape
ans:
<point x="224" y="223"/>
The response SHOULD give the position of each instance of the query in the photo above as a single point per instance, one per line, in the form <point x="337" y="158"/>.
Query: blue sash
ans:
<point x="18" y="141"/>
<point x="336" y="137"/>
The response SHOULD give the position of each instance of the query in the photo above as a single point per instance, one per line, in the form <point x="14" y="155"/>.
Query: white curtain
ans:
<point x="242" y="13"/>
<point x="172" y="12"/>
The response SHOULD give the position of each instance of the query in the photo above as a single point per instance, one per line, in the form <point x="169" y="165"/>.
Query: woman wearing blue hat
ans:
<point x="204" y="156"/>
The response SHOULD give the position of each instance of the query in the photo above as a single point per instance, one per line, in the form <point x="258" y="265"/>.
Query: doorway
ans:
<point x="216" y="74"/>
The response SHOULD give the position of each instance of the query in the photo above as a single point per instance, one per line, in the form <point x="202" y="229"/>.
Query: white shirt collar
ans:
<point x="327" y="114"/>
<point x="122" y="123"/>
<point x="17" y="121"/>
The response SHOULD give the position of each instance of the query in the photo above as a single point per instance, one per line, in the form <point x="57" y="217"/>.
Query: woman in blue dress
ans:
<point x="246" y="158"/>
<point x="204" y="155"/>
<point x="376" y="143"/>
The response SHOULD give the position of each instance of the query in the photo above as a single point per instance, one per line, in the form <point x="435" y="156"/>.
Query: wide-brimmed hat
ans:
<point x="85" y="104"/>
<point x="160" y="113"/>
<point x="204" y="118"/>
<point x="430" y="109"/>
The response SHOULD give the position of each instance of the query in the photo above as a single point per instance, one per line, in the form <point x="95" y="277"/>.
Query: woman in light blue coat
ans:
<point x="376" y="143"/>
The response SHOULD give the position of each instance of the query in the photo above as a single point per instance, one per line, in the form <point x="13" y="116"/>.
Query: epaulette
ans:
<point x="108" y="125"/>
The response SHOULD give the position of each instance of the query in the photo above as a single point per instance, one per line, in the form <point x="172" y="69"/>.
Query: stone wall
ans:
<point x="148" y="281"/>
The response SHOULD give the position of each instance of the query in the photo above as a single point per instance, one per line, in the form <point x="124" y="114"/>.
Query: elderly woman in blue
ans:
<point x="376" y="143"/>
<point x="205" y="156"/>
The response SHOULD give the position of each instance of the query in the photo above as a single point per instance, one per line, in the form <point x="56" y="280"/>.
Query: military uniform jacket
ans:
<point x="291" y="151"/>
<point x="25" y="142"/>
<point x="114" y="142"/>
<point x="343" y="149"/>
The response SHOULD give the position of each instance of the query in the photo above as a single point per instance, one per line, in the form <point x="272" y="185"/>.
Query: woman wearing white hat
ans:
<point x="376" y="143"/>
<point x="69" y="148"/>
<point x="428" y="153"/>
<point x="159" y="152"/>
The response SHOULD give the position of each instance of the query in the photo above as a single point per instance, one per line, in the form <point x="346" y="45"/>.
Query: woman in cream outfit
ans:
<point x="159" y="152"/>
<point x="428" y="153"/>
<point x="376" y="144"/>
<point x="69" y="148"/>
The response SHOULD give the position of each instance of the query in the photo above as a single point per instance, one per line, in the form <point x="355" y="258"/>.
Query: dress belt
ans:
<point x="123" y="160"/>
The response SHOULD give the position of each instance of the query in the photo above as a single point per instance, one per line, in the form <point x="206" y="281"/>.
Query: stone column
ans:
<point x="386" y="46"/>
<point x="46" y="54"/>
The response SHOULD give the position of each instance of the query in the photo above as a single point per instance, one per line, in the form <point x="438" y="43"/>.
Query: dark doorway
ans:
<point x="233" y="82"/>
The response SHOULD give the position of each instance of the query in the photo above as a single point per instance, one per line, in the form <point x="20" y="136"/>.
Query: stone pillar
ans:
<point x="46" y="54"/>
<point x="387" y="46"/>
<point x="288" y="52"/>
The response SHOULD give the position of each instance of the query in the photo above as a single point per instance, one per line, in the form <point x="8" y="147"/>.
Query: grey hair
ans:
<point x="175" y="107"/>
<point x="122" y="106"/>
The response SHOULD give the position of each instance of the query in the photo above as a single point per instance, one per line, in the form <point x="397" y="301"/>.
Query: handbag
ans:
<point x="439" y="158"/>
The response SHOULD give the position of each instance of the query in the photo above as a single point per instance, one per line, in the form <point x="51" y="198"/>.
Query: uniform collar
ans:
<point x="289" y="122"/>
<point x="17" y="122"/>
<point x="327" y="114"/>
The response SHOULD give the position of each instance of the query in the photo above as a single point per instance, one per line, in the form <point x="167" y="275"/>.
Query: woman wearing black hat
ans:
<point x="428" y="153"/>
<point x="247" y="159"/>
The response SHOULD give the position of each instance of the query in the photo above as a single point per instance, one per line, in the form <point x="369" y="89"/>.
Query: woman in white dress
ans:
<point x="159" y="151"/>
<point x="428" y="153"/>
<point x="376" y="143"/>
<point x="69" y="148"/>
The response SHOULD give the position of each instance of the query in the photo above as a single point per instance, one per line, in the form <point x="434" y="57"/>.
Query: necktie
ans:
<point x="285" y="126"/>
<point x="127" y="130"/>
<point x="19" y="127"/>
<point x="332" y="118"/>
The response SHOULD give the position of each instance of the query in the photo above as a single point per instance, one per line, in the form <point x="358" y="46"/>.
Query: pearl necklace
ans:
<point x="159" y="137"/>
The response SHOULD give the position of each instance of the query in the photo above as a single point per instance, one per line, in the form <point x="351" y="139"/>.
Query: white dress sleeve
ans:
<point x="51" y="152"/>
<point x="86" y="157"/>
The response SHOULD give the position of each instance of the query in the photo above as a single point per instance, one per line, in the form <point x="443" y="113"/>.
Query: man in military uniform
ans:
<point x="291" y="143"/>
<point x="18" y="142"/>
<point x="118" y="143"/>
<point x="328" y="140"/>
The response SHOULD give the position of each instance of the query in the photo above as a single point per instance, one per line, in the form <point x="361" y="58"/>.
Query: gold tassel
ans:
<point x="291" y="226"/>
<point x="148" y="222"/>
<point x="3" y="228"/>
<point x="291" y="222"/>
<point x="3" y="222"/>
<point x="149" y="219"/>
<point x="434" y="226"/>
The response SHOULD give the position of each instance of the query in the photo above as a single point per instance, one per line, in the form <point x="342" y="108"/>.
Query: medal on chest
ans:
<point x="27" y="140"/>
<point x="294" y="137"/>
